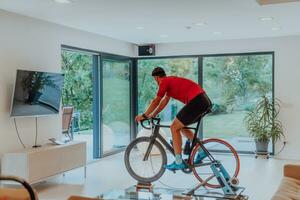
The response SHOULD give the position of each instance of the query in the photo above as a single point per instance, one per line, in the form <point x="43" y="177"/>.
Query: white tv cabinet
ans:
<point x="36" y="164"/>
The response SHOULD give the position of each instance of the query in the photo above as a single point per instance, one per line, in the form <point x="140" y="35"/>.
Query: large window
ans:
<point x="78" y="93"/>
<point x="235" y="83"/>
<point x="98" y="86"/>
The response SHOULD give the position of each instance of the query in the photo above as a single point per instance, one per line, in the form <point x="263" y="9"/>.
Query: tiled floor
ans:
<point x="261" y="178"/>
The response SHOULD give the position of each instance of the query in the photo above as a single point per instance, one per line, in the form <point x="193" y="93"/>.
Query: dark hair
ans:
<point x="158" y="71"/>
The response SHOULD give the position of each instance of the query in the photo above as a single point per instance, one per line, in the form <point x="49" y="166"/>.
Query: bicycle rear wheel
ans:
<point x="222" y="151"/>
<point x="149" y="170"/>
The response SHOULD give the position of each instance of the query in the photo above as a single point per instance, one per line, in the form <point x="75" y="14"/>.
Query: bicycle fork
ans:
<point x="152" y="141"/>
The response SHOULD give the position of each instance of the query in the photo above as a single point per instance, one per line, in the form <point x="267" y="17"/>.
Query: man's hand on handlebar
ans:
<point x="139" y="118"/>
<point x="147" y="121"/>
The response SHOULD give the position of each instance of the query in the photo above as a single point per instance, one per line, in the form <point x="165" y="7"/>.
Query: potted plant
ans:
<point x="263" y="124"/>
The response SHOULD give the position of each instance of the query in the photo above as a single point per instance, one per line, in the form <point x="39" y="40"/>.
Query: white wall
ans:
<point x="287" y="75"/>
<point x="27" y="43"/>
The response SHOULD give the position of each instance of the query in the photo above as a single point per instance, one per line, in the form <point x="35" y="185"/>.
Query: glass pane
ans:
<point x="78" y="71"/>
<point x="234" y="84"/>
<point x="116" y="105"/>
<point x="147" y="87"/>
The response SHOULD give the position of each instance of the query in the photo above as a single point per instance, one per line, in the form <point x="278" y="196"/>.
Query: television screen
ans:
<point x="36" y="93"/>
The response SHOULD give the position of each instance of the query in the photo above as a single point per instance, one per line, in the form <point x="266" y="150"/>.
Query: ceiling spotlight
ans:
<point x="163" y="36"/>
<point x="63" y="1"/>
<point x="275" y="28"/>
<point x="264" y="19"/>
<point x="140" y="28"/>
<point x="217" y="33"/>
<point x="200" y="23"/>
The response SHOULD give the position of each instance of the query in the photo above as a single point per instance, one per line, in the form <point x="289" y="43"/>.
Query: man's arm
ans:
<point x="153" y="105"/>
<point x="161" y="106"/>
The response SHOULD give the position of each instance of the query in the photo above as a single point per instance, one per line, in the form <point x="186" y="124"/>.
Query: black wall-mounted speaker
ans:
<point x="147" y="50"/>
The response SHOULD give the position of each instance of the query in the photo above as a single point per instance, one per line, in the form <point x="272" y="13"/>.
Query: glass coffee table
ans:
<point x="163" y="194"/>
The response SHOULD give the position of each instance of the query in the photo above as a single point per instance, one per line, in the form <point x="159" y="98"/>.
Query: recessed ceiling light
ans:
<point x="163" y="36"/>
<point x="140" y="28"/>
<point x="63" y="1"/>
<point x="200" y="23"/>
<point x="275" y="28"/>
<point x="217" y="33"/>
<point x="266" y="18"/>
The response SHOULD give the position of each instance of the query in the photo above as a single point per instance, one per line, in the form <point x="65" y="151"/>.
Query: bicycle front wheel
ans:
<point x="149" y="170"/>
<point x="221" y="151"/>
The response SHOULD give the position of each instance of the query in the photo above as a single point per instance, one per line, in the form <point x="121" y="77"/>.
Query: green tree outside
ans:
<point x="77" y="90"/>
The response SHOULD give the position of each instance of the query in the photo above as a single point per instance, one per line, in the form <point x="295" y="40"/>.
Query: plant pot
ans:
<point x="262" y="146"/>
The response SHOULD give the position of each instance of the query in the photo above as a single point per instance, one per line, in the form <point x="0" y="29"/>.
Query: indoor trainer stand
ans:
<point x="229" y="186"/>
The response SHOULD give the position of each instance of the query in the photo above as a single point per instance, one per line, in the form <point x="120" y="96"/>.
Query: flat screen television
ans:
<point x="36" y="93"/>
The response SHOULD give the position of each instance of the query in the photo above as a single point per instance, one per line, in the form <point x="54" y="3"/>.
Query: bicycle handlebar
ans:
<point x="151" y="121"/>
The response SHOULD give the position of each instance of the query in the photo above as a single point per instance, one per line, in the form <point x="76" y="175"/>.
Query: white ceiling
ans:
<point x="118" y="19"/>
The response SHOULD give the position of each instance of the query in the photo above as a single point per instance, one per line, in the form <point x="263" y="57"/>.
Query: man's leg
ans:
<point x="201" y="154"/>
<point x="188" y="133"/>
<point x="176" y="126"/>
<point x="177" y="143"/>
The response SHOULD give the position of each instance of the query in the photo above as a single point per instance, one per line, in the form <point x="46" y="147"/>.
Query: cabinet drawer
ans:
<point x="42" y="164"/>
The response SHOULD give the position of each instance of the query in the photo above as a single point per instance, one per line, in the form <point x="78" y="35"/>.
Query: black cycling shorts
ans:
<point x="192" y="111"/>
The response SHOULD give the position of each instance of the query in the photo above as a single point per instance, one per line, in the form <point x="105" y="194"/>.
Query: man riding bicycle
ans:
<point x="196" y="103"/>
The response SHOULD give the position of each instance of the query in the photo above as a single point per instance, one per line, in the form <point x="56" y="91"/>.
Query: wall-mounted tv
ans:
<point x="36" y="93"/>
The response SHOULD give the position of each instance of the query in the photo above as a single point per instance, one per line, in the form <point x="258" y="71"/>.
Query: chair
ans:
<point x="67" y="117"/>
<point x="289" y="188"/>
<point x="26" y="193"/>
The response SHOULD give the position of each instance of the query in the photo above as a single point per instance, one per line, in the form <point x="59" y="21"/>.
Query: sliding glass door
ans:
<point x="116" y="104"/>
<point x="235" y="83"/>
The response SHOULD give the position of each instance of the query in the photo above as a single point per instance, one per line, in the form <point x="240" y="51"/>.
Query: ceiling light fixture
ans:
<point x="163" y="36"/>
<point x="200" y="23"/>
<point x="264" y="19"/>
<point x="63" y="1"/>
<point x="275" y="28"/>
<point x="140" y="28"/>
<point x="217" y="33"/>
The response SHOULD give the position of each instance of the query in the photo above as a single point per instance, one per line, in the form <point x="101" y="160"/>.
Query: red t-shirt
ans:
<point x="182" y="89"/>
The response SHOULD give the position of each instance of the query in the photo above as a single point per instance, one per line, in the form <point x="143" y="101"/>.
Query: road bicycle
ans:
<point x="145" y="158"/>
